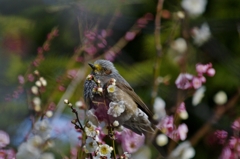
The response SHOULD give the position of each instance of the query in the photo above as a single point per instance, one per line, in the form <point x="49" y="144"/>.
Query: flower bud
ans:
<point x="49" y="113"/>
<point x="115" y="123"/>
<point x="34" y="90"/>
<point x="89" y="77"/>
<point x="99" y="89"/>
<point x="161" y="140"/>
<point x="36" y="72"/>
<point x="66" y="101"/>
<point x="38" y="83"/>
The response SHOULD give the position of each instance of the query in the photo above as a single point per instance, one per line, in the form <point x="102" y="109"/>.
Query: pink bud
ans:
<point x="149" y="16"/>
<point x="202" y="78"/>
<point x="30" y="77"/>
<point x="196" y="83"/>
<point x="182" y="130"/>
<point x="211" y="72"/>
<point x="221" y="135"/>
<point x="130" y="36"/>
<point x="21" y="79"/>
<point x="40" y="50"/>
<point x="90" y="35"/>
<point x="61" y="88"/>
<point x="200" y="68"/>
<point x="181" y="107"/>
<point x="104" y="33"/>
<point x="142" y="22"/>
<point x="236" y="125"/>
<point x="110" y="55"/>
<point x="91" y="50"/>
<point x="5" y="140"/>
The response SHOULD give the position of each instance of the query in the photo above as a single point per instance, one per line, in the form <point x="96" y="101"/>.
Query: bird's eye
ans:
<point x="107" y="71"/>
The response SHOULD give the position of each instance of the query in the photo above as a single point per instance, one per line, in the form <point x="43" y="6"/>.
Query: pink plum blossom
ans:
<point x="183" y="81"/>
<point x="236" y="125"/>
<point x="130" y="36"/>
<point x="221" y="135"/>
<point x="196" y="83"/>
<point x="4" y="139"/>
<point x="131" y="141"/>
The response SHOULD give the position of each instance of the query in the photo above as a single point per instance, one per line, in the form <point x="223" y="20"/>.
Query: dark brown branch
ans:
<point x="216" y="116"/>
<point x="157" y="34"/>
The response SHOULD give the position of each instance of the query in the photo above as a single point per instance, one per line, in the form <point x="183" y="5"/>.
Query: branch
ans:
<point x="216" y="116"/>
<point x="158" y="45"/>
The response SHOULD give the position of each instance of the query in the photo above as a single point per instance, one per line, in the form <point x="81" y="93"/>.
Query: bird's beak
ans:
<point x="91" y="65"/>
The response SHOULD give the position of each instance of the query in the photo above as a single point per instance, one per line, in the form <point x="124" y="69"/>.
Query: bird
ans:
<point x="112" y="99"/>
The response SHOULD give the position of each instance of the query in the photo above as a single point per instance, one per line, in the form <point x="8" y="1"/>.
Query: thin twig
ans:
<point x="217" y="115"/>
<point x="78" y="121"/>
<point x="114" y="151"/>
<point x="69" y="91"/>
<point x="157" y="34"/>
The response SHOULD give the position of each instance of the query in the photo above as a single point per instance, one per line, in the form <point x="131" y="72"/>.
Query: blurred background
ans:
<point x="59" y="37"/>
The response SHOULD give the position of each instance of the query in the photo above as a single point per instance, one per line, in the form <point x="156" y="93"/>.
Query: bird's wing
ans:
<point x="135" y="97"/>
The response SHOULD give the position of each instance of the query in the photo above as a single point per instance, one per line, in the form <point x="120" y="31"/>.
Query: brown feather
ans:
<point x="136" y="98"/>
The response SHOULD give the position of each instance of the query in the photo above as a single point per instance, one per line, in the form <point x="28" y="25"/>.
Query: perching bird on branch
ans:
<point x="113" y="100"/>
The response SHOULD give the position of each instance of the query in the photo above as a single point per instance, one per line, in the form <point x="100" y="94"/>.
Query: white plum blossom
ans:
<point x="220" y="98"/>
<point x="91" y="145"/>
<point x="198" y="95"/>
<point x="115" y="123"/>
<point x="47" y="155"/>
<point x="92" y="117"/>
<point x="90" y="129"/>
<point x="43" y="81"/>
<point x="161" y="140"/>
<point x="111" y="88"/>
<point x="49" y="113"/>
<point x="30" y="149"/>
<point x="42" y="128"/>
<point x="105" y="151"/>
<point x="36" y="101"/>
<point x="38" y="83"/>
<point x="79" y="104"/>
<point x="183" y="115"/>
<point x="179" y="45"/>
<point x="34" y="89"/>
<point x="159" y="108"/>
<point x="127" y="155"/>
<point x="183" y="151"/>
<point x="182" y="112"/>
<point x="194" y="7"/>
<point x="143" y="153"/>
<point x="33" y="148"/>
<point x="116" y="109"/>
<point x="202" y="34"/>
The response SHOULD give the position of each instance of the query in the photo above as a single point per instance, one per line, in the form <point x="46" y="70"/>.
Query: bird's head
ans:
<point x="102" y="67"/>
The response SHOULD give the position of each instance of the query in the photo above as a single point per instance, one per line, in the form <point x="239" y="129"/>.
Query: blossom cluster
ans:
<point x="94" y="41"/>
<point x="96" y="146"/>
<point x="100" y="128"/>
<point x="36" y="144"/>
<point x="231" y="148"/>
<point x="5" y="153"/>
<point x="186" y="81"/>
<point x="168" y="127"/>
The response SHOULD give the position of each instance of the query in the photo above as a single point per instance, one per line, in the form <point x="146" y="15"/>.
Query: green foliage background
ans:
<point x="25" y="24"/>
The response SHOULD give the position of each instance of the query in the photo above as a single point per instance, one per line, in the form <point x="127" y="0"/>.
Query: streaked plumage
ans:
<point x="136" y="115"/>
